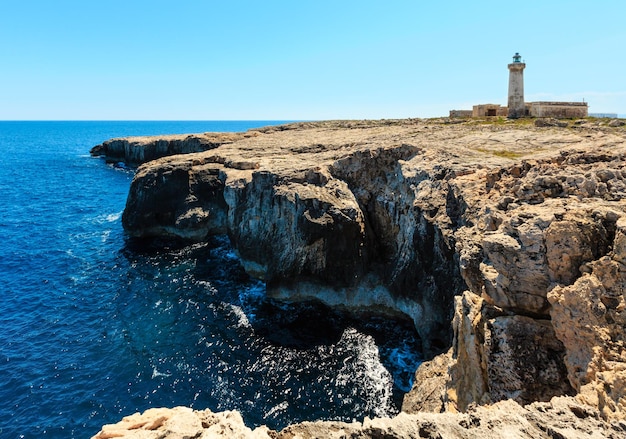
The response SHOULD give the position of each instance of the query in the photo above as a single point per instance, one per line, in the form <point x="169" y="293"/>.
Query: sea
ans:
<point x="95" y="326"/>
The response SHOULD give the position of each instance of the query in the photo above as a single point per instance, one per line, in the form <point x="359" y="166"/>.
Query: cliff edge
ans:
<point x="505" y="242"/>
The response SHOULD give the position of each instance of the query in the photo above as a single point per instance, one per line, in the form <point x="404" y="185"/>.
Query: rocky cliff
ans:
<point x="134" y="151"/>
<point x="504" y="242"/>
<point x="318" y="211"/>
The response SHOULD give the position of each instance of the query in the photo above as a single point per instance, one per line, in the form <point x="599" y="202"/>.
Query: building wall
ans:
<point x="565" y="110"/>
<point x="460" y="113"/>
<point x="486" y="110"/>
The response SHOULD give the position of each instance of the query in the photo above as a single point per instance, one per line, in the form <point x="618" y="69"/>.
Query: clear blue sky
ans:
<point x="206" y="60"/>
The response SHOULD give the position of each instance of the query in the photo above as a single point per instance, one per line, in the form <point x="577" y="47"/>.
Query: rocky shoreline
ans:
<point x="560" y="418"/>
<point x="504" y="242"/>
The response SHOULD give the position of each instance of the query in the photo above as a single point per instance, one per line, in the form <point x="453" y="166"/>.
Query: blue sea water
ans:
<point x="94" y="327"/>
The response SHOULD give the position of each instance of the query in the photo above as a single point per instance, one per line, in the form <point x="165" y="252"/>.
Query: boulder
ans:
<point x="550" y="122"/>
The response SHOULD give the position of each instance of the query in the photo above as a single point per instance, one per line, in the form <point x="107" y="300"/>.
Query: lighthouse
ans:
<point x="516" y="107"/>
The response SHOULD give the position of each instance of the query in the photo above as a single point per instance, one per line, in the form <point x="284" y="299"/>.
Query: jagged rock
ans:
<point x="524" y="360"/>
<point x="429" y="387"/>
<point x="589" y="317"/>
<point x="515" y="273"/>
<point x="560" y="418"/>
<point x="535" y="247"/>
<point x="497" y="356"/>
<point x="181" y="423"/>
<point x="467" y="380"/>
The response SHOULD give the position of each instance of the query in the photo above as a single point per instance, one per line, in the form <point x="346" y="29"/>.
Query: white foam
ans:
<point x="108" y="218"/>
<point x="105" y="235"/>
<point x="277" y="408"/>
<point x="113" y="217"/>
<point x="209" y="288"/>
<point x="370" y="372"/>
<point x="243" y="321"/>
<point x="156" y="373"/>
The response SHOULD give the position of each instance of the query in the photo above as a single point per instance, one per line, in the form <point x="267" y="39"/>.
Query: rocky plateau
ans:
<point x="504" y="242"/>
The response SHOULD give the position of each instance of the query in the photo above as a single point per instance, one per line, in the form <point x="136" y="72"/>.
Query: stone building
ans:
<point x="566" y="110"/>
<point x="460" y="113"/>
<point x="516" y="107"/>
<point x="485" y="110"/>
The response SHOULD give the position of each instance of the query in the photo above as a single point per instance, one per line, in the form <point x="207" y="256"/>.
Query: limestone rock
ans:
<point x="571" y="243"/>
<point x="429" y="387"/>
<point x="504" y="244"/>
<point x="561" y="417"/>
<point x="181" y="423"/>
<point x="516" y="275"/>
<point x="468" y="380"/>
<point x="590" y="318"/>
<point x="524" y="360"/>
<point x="497" y="356"/>
<point x="326" y="222"/>
<point x="534" y="248"/>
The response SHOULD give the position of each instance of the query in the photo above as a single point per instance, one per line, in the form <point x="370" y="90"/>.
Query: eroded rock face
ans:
<point x="510" y="238"/>
<point x="429" y="386"/>
<point x="177" y="200"/>
<point x="547" y="230"/>
<point x="294" y="230"/>
<point x="590" y="317"/>
<point x="338" y="224"/>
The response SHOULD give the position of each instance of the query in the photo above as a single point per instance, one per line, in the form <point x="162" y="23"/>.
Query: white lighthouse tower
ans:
<point x="516" y="88"/>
